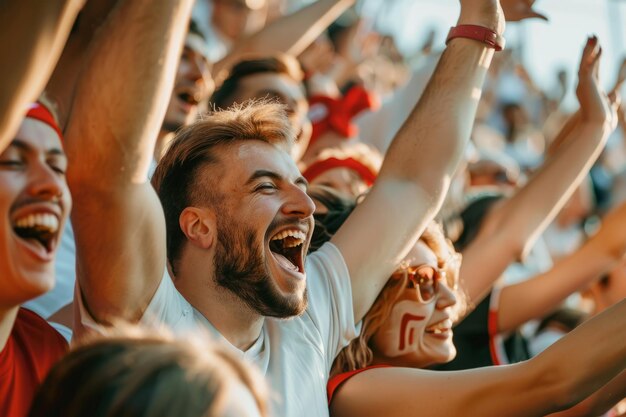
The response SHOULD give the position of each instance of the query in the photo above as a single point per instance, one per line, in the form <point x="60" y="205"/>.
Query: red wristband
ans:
<point x="479" y="33"/>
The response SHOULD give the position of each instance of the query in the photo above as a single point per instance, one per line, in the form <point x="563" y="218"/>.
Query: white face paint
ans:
<point x="416" y="333"/>
<point x="406" y="325"/>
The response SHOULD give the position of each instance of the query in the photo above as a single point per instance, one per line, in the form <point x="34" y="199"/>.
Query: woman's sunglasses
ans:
<point x="424" y="279"/>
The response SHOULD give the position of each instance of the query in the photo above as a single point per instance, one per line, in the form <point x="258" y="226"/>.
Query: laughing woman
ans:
<point x="410" y="327"/>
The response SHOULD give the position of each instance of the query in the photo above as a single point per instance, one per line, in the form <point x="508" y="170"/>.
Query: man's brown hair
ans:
<point x="226" y="94"/>
<point x="194" y="148"/>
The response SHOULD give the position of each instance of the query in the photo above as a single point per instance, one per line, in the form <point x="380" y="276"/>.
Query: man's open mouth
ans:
<point x="40" y="230"/>
<point x="189" y="96"/>
<point x="287" y="247"/>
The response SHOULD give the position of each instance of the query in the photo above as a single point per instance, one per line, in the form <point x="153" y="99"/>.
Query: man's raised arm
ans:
<point x="421" y="159"/>
<point x="32" y="37"/>
<point x="118" y="110"/>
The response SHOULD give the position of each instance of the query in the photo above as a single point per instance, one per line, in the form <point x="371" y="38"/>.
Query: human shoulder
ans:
<point x="337" y="380"/>
<point x="37" y="342"/>
<point x="326" y="260"/>
<point x="328" y="279"/>
<point x="30" y="326"/>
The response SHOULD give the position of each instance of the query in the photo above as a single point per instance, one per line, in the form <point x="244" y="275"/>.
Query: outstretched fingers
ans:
<point x="594" y="104"/>
<point x="595" y="66"/>
<point x="589" y="56"/>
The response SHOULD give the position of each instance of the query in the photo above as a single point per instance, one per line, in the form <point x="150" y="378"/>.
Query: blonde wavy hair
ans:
<point x="358" y="354"/>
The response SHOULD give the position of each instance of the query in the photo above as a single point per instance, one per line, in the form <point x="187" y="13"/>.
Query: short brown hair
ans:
<point x="226" y="94"/>
<point x="194" y="148"/>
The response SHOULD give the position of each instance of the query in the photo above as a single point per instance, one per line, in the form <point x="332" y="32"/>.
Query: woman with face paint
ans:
<point x="411" y="322"/>
<point x="410" y="327"/>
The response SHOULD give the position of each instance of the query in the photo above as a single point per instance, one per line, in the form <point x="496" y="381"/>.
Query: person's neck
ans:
<point x="233" y="319"/>
<point x="230" y="316"/>
<point x="7" y="320"/>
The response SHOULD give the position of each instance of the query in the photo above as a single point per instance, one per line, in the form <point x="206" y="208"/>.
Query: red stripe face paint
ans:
<point x="406" y="320"/>
<point x="403" y="331"/>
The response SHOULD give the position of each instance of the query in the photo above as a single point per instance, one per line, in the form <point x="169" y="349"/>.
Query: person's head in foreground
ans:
<point x="139" y="376"/>
<point x="236" y="208"/>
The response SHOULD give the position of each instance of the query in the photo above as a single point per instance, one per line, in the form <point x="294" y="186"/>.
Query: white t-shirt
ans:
<point x="295" y="354"/>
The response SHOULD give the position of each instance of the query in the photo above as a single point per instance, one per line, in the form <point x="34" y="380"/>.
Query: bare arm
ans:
<point x="118" y="220"/>
<point x="422" y="158"/>
<point x="42" y="28"/>
<point x="512" y="226"/>
<point x="566" y="133"/>
<point x="600" y="401"/>
<point x="290" y="34"/>
<point x="562" y="375"/>
<point x="62" y="84"/>
<point x="539" y="295"/>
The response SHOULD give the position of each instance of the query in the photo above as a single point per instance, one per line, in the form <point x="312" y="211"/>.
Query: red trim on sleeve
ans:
<point x="492" y="324"/>
<point x="335" y="382"/>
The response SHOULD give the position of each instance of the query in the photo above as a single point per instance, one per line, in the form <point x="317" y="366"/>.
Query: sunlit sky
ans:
<point x="545" y="46"/>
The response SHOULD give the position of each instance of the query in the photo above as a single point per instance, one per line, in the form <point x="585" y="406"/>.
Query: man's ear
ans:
<point x="199" y="226"/>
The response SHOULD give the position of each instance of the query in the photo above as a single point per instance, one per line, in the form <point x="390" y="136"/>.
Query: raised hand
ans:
<point x="516" y="10"/>
<point x="595" y="105"/>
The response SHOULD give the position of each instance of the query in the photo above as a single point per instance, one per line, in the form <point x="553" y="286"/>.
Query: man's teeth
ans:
<point x="297" y="237"/>
<point x="44" y="221"/>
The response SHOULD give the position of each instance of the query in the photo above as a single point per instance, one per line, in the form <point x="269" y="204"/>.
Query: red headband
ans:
<point x="40" y="112"/>
<point x="318" y="168"/>
<point x="336" y="114"/>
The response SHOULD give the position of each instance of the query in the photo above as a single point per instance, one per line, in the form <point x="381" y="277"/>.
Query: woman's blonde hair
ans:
<point x="358" y="354"/>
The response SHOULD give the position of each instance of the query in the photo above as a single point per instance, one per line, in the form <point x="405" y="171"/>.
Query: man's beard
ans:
<point x="240" y="268"/>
